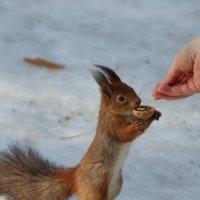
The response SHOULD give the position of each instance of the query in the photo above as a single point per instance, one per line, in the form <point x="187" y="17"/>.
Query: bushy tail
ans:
<point x="25" y="175"/>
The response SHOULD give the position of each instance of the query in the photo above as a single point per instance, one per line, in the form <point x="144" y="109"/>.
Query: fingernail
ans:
<point x="160" y="85"/>
<point x="159" y="88"/>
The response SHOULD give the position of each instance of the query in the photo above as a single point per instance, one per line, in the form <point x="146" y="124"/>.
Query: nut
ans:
<point x="144" y="112"/>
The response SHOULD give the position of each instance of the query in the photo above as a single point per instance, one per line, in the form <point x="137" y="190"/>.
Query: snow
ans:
<point x="56" y="111"/>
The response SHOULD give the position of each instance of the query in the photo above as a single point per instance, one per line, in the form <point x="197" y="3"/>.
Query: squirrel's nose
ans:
<point x="138" y="102"/>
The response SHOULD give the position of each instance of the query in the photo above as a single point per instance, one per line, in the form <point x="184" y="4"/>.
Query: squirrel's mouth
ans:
<point x="135" y="107"/>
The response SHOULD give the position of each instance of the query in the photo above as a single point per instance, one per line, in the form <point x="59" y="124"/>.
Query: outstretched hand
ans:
<point x="183" y="77"/>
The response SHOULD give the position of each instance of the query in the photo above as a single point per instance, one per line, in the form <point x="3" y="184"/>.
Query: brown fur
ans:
<point x="25" y="175"/>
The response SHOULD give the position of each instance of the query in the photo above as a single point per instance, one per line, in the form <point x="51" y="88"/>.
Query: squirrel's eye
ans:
<point x="121" y="98"/>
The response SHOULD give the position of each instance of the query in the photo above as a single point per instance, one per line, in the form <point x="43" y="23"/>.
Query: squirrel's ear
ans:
<point x="105" y="86"/>
<point x="109" y="73"/>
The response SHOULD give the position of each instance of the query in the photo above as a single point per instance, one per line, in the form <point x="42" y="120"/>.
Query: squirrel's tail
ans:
<point x="24" y="174"/>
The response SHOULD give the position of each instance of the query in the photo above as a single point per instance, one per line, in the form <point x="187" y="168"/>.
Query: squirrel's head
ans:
<point x="118" y="96"/>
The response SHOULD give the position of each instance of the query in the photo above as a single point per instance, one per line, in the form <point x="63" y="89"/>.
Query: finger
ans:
<point x="172" y="77"/>
<point x="177" y="90"/>
<point x="165" y="89"/>
<point x="160" y="96"/>
<point x="173" y="74"/>
<point x="182" y="64"/>
<point x="182" y="77"/>
<point x="196" y="79"/>
<point x="155" y="89"/>
<point x="184" y="80"/>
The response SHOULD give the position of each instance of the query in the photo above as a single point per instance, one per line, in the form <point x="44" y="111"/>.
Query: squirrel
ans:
<point x="26" y="175"/>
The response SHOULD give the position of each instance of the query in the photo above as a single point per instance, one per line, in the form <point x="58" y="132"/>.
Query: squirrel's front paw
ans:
<point x="157" y="115"/>
<point x="140" y="126"/>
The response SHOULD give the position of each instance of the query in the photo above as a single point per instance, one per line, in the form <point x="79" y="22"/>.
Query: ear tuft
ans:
<point x="109" y="73"/>
<point x="98" y="76"/>
<point x="102" y="82"/>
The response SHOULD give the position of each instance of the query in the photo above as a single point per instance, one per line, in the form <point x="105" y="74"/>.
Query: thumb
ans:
<point x="182" y="64"/>
<point x="174" y="71"/>
<point x="177" y="90"/>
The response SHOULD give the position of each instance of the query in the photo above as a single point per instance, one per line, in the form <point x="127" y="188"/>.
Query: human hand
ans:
<point x="183" y="77"/>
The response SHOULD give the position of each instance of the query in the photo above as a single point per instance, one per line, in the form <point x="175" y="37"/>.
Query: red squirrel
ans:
<point x="25" y="175"/>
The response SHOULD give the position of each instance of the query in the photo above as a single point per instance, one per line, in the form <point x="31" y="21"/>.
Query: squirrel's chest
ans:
<point x="115" y="178"/>
<point x="121" y="157"/>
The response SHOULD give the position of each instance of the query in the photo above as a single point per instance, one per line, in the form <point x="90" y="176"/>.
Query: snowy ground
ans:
<point x="46" y="109"/>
